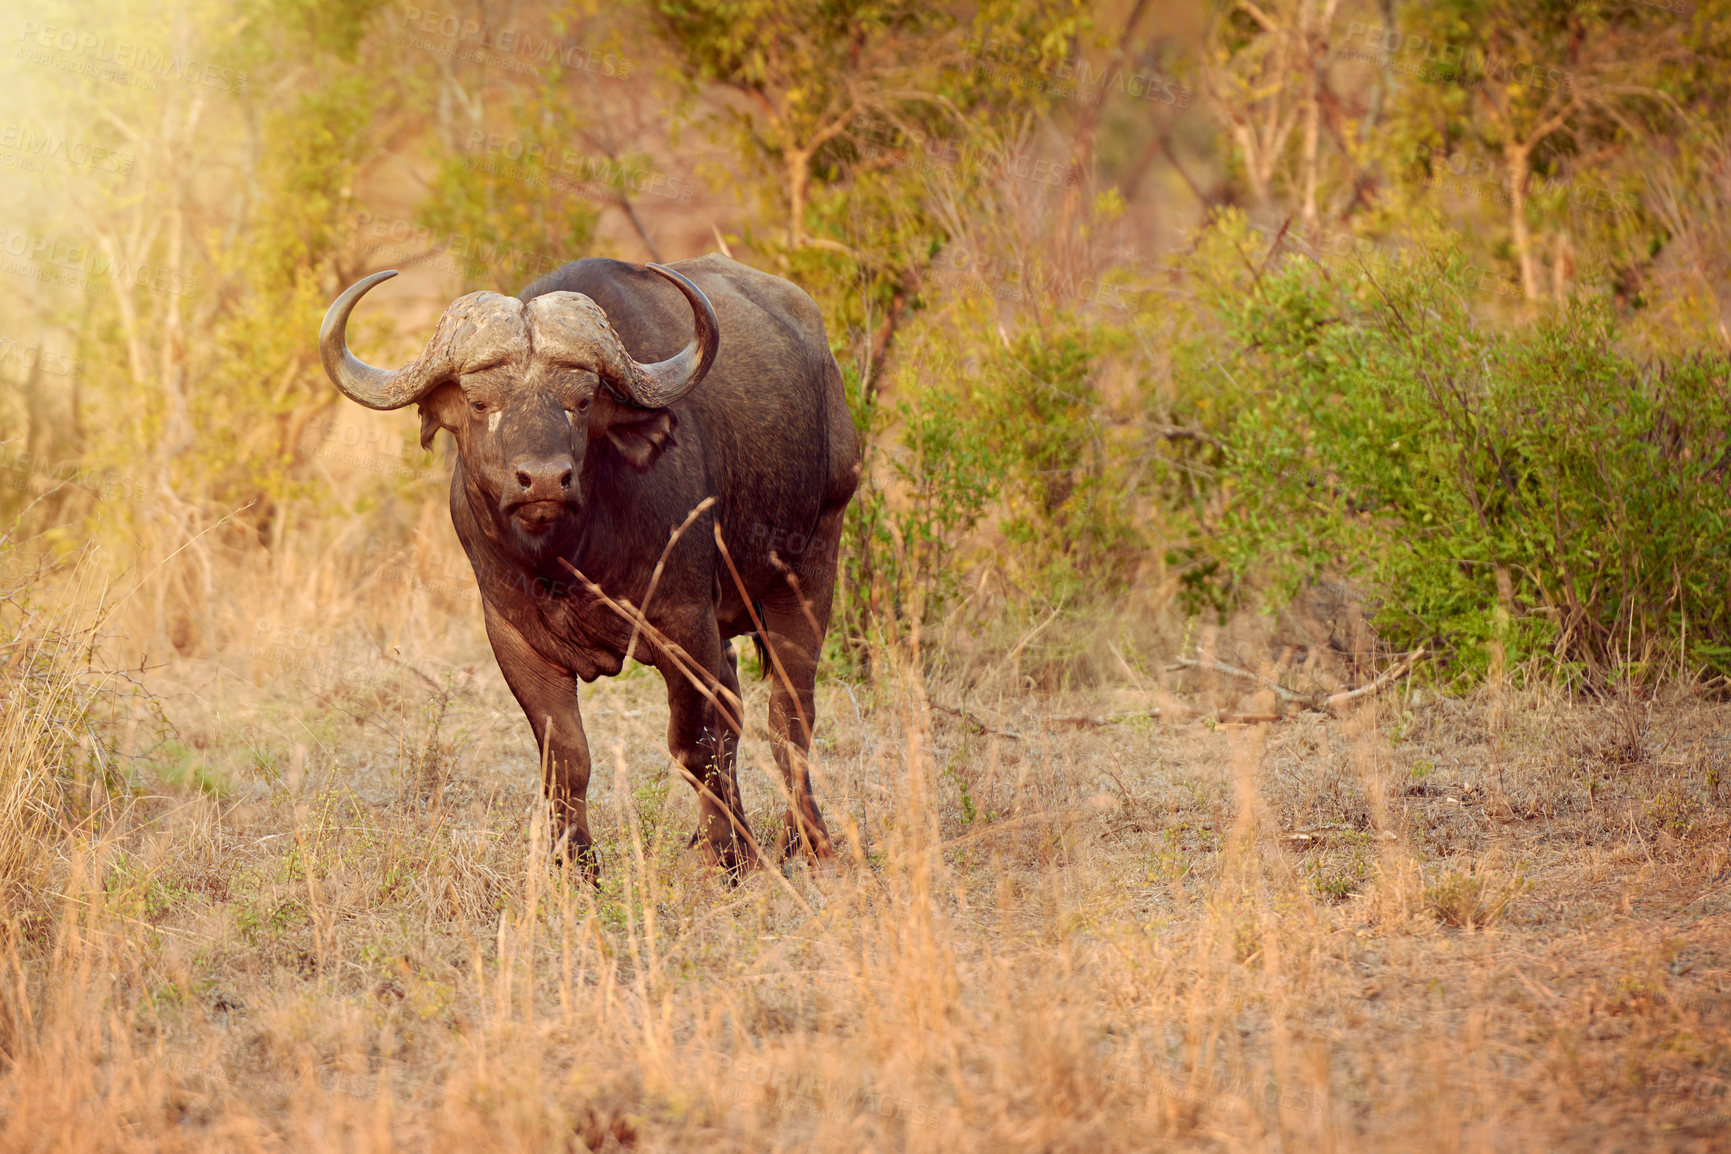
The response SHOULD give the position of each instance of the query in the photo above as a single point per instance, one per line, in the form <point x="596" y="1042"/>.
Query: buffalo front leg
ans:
<point x="795" y="640"/>
<point x="704" y="740"/>
<point x="548" y="694"/>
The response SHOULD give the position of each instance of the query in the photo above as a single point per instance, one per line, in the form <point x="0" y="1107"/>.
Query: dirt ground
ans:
<point x="1112" y="920"/>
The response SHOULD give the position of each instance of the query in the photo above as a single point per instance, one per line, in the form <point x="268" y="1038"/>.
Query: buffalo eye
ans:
<point x="478" y="406"/>
<point x="583" y="405"/>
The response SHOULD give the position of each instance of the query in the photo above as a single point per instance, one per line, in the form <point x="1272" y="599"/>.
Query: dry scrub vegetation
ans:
<point x="310" y="910"/>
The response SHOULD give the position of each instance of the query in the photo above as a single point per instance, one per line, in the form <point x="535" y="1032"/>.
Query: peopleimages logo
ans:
<point x="1008" y="280"/>
<point x="1485" y="177"/>
<point x="1074" y="77"/>
<point x="1445" y="63"/>
<point x="532" y="163"/>
<point x="20" y="357"/>
<point x="36" y="257"/>
<point x="90" y="47"/>
<point x="467" y="38"/>
<point x="47" y="146"/>
<point x="395" y="230"/>
<point x="789" y="542"/>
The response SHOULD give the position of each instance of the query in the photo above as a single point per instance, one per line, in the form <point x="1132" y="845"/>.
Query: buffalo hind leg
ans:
<point x="548" y="695"/>
<point x="795" y="643"/>
<point x="705" y="741"/>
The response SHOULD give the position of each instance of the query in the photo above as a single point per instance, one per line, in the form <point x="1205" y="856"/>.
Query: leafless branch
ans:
<point x="1184" y="433"/>
<point x="975" y="723"/>
<point x="1399" y="670"/>
<point x="1279" y="690"/>
<point x="1317" y="702"/>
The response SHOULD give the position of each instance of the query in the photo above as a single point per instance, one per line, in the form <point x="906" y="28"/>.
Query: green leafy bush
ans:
<point x="1004" y="457"/>
<point x="1068" y="507"/>
<point x="1533" y="492"/>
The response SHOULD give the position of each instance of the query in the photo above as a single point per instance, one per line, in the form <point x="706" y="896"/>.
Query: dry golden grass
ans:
<point x="321" y="918"/>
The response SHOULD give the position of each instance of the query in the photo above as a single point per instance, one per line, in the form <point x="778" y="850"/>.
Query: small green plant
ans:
<point x="1469" y="900"/>
<point x="649" y="799"/>
<point x="1334" y="887"/>
<point x="1673" y="809"/>
<point x="259" y="925"/>
<point x="177" y="765"/>
<point x="1338" y="879"/>
<point x="969" y="812"/>
<point x="1635" y="994"/>
<point x="425" y="763"/>
<point x="948" y="470"/>
<point x="1397" y="728"/>
<point x="1172" y="862"/>
<point x="1246" y="943"/>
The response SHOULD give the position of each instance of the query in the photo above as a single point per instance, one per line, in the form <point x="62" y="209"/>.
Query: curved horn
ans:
<point x="660" y="384"/>
<point x="359" y="381"/>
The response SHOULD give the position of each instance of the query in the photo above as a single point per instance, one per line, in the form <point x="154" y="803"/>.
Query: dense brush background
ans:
<point x="1212" y="359"/>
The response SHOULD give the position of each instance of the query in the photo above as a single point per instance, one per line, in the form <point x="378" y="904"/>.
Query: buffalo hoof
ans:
<point x="573" y="847"/>
<point x="813" y="843"/>
<point x="730" y="854"/>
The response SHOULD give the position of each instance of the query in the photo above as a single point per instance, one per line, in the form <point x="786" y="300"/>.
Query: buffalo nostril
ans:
<point x="523" y="479"/>
<point x="565" y="479"/>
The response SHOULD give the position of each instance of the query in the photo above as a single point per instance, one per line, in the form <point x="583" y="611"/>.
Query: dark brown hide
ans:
<point x="555" y="470"/>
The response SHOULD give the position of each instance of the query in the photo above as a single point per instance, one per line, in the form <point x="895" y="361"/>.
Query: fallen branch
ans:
<point x="1396" y="673"/>
<point x="1319" y="702"/>
<point x="978" y="725"/>
<point x="1079" y="720"/>
<point x="1084" y="721"/>
<point x="1279" y="690"/>
<point x="1052" y="815"/>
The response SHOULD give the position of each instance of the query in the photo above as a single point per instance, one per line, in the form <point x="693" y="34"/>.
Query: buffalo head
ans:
<point x="526" y="389"/>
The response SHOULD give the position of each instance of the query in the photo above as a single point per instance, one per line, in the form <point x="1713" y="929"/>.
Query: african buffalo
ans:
<point x="576" y="463"/>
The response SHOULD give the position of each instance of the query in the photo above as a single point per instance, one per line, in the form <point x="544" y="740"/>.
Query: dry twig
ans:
<point x="1279" y="690"/>
<point x="1088" y="721"/>
<point x="978" y="725"/>
<point x="1320" y="703"/>
<point x="1398" y="671"/>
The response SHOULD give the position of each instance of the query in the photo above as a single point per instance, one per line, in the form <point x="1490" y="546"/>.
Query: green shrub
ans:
<point x="1532" y="491"/>
<point x="996" y="452"/>
<point x="1067" y="504"/>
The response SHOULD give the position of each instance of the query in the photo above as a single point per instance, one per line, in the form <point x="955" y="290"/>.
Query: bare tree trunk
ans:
<point x="35" y="421"/>
<point x="1516" y="157"/>
<point x="798" y="178"/>
<point x="177" y="420"/>
<point x="127" y="307"/>
<point x="1255" y="170"/>
<point x="1312" y="109"/>
<point x="1086" y="130"/>
<point x="1562" y="268"/>
<point x="630" y="211"/>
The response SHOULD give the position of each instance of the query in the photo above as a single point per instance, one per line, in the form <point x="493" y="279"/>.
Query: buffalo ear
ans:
<point x="439" y="410"/>
<point x="642" y="439"/>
